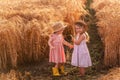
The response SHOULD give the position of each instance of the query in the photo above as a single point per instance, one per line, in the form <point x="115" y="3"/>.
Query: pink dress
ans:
<point x="57" y="54"/>
<point x="81" y="56"/>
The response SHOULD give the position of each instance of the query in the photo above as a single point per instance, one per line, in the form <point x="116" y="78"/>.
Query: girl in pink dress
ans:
<point x="57" y="54"/>
<point x="81" y="57"/>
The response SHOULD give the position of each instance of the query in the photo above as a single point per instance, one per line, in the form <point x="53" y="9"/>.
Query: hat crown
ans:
<point x="81" y="23"/>
<point x="58" y="26"/>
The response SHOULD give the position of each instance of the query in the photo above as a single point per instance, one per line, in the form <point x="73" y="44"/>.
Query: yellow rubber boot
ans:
<point x="62" y="71"/>
<point x="55" y="71"/>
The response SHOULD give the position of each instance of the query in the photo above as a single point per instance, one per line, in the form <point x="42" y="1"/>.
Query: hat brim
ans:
<point x="61" y="28"/>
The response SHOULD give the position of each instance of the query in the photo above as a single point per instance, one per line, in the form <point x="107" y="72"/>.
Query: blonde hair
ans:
<point x="87" y="37"/>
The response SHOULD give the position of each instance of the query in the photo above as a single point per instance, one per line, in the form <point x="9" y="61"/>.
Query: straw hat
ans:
<point x="57" y="26"/>
<point x="81" y="23"/>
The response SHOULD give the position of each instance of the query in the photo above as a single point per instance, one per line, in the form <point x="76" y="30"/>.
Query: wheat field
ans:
<point x="25" y="26"/>
<point x="108" y="15"/>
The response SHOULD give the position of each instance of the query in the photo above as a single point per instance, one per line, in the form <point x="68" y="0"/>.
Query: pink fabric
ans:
<point x="81" y="56"/>
<point x="57" y="54"/>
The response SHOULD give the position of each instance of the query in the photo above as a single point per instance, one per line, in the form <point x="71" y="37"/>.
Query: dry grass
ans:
<point x="26" y="24"/>
<point x="109" y="26"/>
<point x="15" y="75"/>
<point x="114" y="74"/>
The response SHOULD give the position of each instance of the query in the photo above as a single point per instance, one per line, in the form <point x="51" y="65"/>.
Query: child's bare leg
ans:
<point x="57" y="65"/>
<point x="82" y="71"/>
<point x="61" y="64"/>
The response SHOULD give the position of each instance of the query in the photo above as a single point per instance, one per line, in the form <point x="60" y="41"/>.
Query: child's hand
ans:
<point x="71" y="46"/>
<point x="52" y="47"/>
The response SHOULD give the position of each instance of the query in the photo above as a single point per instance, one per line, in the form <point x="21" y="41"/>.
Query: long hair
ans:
<point x="87" y="37"/>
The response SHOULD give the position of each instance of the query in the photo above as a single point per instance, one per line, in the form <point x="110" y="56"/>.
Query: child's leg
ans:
<point x="57" y="65"/>
<point x="61" y="64"/>
<point x="82" y="71"/>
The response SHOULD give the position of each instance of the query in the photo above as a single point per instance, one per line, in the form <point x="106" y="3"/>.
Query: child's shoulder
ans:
<point x="82" y="35"/>
<point x="52" y="36"/>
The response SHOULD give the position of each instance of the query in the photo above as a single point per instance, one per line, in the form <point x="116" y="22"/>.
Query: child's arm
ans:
<point x="67" y="44"/>
<point x="77" y="42"/>
<point x="50" y="43"/>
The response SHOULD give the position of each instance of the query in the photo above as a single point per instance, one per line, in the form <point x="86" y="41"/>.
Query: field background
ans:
<point x="25" y="26"/>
